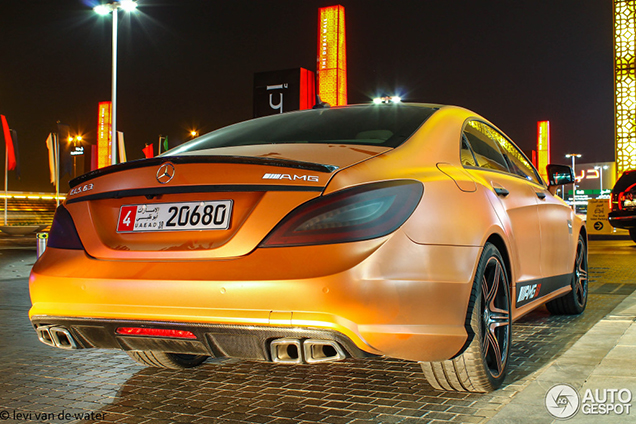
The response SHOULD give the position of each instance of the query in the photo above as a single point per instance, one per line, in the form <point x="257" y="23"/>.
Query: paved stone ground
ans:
<point x="601" y="360"/>
<point x="37" y="379"/>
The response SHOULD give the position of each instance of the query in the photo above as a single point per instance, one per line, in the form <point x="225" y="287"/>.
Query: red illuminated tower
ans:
<point x="543" y="148"/>
<point x="332" y="56"/>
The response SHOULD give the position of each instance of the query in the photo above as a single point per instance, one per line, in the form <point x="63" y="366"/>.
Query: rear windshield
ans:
<point x="626" y="180"/>
<point x="377" y="125"/>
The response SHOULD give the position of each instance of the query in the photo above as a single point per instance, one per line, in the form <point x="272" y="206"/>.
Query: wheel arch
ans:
<point x="500" y="244"/>
<point x="497" y="241"/>
<point x="583" y="232"/>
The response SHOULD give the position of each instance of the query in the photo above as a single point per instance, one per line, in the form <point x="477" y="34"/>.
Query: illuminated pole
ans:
<point x="113" y="117"/>
<point x="105" y="9"/>
<point x="56" y="149"/>
<point x="6" y="176"/>
<point x="624" y="84"/>
<point x="573" y="156"/>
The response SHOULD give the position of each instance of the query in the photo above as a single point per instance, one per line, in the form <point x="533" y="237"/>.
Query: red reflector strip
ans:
<point x="157" y="332"/>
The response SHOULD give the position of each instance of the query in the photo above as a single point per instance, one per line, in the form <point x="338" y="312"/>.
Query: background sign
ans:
<point x="283" y="91"/>
<point x="597" y="212"/>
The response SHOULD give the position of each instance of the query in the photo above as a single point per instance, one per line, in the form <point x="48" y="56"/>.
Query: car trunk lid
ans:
<point x="146" y="209"/>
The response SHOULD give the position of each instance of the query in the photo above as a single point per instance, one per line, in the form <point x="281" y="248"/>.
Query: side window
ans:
<point x="517" y="162"/>
<point x="467" y="157"/>
<point x="519" y="165"/>
<point x="485" y="148"/>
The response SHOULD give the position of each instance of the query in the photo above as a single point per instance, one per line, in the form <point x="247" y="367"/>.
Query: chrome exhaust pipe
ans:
<point x="44" y="336"/>
<point x="56" y="337"/>
<point x="286" y="351"/>
<point x="317" y="351"/>
<point x="62" y="338"/>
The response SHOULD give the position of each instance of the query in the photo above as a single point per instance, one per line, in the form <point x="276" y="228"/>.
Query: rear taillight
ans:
<point x="625" y="200"/>
<point x="63" y="234"/>
<point x="155" y="332"/>
<point x="354" y="214"/>
<point x="614" y="202"/>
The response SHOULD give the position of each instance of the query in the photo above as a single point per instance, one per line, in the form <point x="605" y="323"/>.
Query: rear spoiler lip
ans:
<point x="249" y="160"/>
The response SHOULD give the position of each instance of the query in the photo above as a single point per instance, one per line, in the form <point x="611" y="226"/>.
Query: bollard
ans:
<point x="42" y="238"/>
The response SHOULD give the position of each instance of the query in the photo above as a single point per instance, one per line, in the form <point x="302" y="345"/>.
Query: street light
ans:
<point x="600" y="173"/>
<point x="75" y="152"/>
<point x="573" y="156"/>
<point x="105" y="9"/>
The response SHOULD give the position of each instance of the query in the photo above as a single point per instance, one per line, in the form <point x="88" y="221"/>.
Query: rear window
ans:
<point x="626" y="180"/>
<point x="377" y="125"/>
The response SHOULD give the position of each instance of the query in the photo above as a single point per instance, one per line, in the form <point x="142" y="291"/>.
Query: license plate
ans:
<point x="208" y="215"/>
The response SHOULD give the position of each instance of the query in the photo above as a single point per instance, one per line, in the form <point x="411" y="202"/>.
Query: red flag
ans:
<point x="148" y="151"/>
<point x="9" y="144"/>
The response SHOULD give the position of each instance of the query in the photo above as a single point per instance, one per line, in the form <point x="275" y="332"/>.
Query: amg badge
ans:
<point x="527" y="293"/>
<point x="290" y="177"/>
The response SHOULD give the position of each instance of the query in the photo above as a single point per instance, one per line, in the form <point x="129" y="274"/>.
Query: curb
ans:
<point x="601" y="359"/>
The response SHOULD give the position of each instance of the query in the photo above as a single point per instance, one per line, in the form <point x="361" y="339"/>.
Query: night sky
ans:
<point x="187" y="64"/>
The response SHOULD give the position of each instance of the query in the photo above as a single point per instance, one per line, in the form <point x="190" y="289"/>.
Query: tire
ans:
<point x="483" y="365"/>
<point x="575" y="301"/>
<point x="174" y="361"/>
<point x="632" y="234"/>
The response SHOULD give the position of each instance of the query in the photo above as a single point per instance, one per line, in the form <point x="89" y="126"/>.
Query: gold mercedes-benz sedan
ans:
<point x="411" y="231"/>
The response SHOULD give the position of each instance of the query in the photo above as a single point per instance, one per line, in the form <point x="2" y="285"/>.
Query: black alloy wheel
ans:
<point x="575" y="301"/>
<point x="580" y="276"/>
<point x="483" y="364"/>
<point x="496" y="322"/>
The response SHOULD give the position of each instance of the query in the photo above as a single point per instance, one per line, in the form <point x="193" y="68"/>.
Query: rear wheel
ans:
<point x="166" y="360"/>
<point x="574" y="302"/>
<point x="483" y="365"/>
<point x="632" y="234"/>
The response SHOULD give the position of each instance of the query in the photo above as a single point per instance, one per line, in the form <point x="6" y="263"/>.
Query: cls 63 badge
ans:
<point x="80" y="189"/>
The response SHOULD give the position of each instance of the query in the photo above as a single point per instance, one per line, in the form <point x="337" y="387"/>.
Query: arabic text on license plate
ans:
<point x="212" y="215"/>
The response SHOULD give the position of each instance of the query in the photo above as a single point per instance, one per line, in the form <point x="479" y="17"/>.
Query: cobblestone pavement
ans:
<point x="106" y="386"/>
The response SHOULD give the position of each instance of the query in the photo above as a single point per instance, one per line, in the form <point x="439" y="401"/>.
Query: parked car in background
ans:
<point x="412" y="231"/>
<point x="623" y="213"/>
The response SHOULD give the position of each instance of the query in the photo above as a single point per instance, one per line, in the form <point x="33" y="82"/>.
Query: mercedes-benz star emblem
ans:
<point x="165" y="173"/>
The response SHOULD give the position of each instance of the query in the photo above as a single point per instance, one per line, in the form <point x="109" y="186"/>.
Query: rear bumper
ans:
<point x="366" y="295"/>
<point x="235" y="341"/>
<point x="623" y="220"/>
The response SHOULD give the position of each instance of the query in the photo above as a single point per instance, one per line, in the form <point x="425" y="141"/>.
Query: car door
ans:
<point x="516" y="200"/>
<point x="555" y="220"/>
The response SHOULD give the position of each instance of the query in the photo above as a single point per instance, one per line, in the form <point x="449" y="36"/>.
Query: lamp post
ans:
<point x="105" y="9"/>
<point x="600" y="173"/>
<point x="77" y="140"/>
<point x="573" y="156"/>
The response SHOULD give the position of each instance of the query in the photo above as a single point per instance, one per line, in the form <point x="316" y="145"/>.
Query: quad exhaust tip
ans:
<point x="56" y="337"/>
<point x="310" y="351"/>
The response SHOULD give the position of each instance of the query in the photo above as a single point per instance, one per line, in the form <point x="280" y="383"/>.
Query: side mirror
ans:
<point x="559" y="175"/>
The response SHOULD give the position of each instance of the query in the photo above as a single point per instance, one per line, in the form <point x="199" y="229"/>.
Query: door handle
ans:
<point x="540" y="194"/>
<point x="501" y="191"/>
